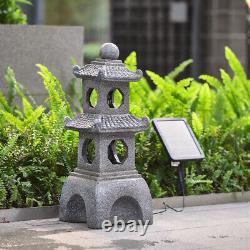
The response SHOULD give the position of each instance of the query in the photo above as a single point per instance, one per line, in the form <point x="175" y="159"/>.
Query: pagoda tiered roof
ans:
<point x="87" y="122"/>
<point x="107" y="70"/>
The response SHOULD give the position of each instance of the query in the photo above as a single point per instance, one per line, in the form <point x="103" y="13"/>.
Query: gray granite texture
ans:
<point x="108" y="68"/>
<point x="101" y="164"/>
<point x="106" y="185"/>
<point x="91" y="201"/>
<point x="24" y="46"/>
<point x="102" y="123"/>
<point x="109" y="51"/>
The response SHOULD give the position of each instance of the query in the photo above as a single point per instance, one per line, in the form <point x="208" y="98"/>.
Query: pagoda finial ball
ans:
<point x="109" y="51"/>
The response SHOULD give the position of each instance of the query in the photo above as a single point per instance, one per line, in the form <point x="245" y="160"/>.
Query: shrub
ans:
<point x="218" y="111"/>
<point x="11" y="12"/>
<point x="37" y="153"/>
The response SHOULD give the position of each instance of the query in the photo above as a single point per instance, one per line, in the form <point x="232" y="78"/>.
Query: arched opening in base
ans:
<point x="126" y="208"/>
<point x="76" y="209"/>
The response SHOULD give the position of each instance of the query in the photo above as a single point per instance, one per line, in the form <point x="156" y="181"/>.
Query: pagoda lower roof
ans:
<point x="87" y="122"/>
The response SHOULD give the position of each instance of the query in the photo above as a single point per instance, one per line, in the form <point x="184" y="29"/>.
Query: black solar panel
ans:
<point x="178" y="139"/>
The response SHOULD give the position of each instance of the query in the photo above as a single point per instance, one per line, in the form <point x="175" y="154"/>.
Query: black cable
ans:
<point x="181" y="181"/>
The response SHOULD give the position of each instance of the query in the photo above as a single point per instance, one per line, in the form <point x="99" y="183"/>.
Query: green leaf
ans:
<point x="185" y="82"/>
<point x="16" y="122"/>
<point x="34" y="116"/>
<point x="157" y="79"/>
<point x="235" y="64"/>
<point x="27" y="107"/>
<point x="179" y="69"/>
<point x="212" y="81"/>
<point x="197" y="124"/>
<point x="24" y="1"/>
<point x="131" y="61"/>
<point x="4" y="102"/>
<point x="205" y="105"/>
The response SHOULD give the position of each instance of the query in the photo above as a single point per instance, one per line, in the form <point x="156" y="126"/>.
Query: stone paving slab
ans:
<point x="205" y="227"/>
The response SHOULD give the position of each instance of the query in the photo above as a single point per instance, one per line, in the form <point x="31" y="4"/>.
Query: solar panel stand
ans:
<point x="180" y="144"/>
<point x="181" y="179"/>
<point x="105" y="187"/>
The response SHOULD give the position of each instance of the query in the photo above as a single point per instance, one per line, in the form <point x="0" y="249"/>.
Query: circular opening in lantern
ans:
<point x="92" y="97"/>
<point x="117" y="151"/>
<point x="88" y="150"/>
<point x="115" y="98"/>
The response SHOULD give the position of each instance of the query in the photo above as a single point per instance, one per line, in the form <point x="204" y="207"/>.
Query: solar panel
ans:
<point x="178" y="139"/>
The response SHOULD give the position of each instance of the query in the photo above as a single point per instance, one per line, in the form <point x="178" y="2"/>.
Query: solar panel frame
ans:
<point x="164" y="140"/>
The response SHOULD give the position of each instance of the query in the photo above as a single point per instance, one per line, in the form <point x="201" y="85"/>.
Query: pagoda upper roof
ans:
<point x="107" y="70"/>
<point x="88" y="122"/>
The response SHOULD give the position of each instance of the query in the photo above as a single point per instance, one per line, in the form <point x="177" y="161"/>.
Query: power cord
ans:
<point x="181" y="181"/>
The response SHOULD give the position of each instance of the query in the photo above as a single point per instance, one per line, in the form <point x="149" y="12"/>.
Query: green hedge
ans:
<point x="36" y="153"/>
<point x="218" y="110"/>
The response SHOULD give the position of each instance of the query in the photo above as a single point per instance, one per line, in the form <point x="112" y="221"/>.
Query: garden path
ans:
<point x="203" y="227"/>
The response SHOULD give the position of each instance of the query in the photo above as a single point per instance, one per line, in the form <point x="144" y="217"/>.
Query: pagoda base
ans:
<point x="93" y="201"/>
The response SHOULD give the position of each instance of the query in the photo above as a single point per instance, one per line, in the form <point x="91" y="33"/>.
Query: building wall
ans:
<point x="223" y="24"/>
<point x="144" y="26"/>
<point x="161" y="43"/>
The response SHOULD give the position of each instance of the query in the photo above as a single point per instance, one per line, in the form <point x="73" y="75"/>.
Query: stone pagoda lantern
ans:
<point x="107" y="183"/>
